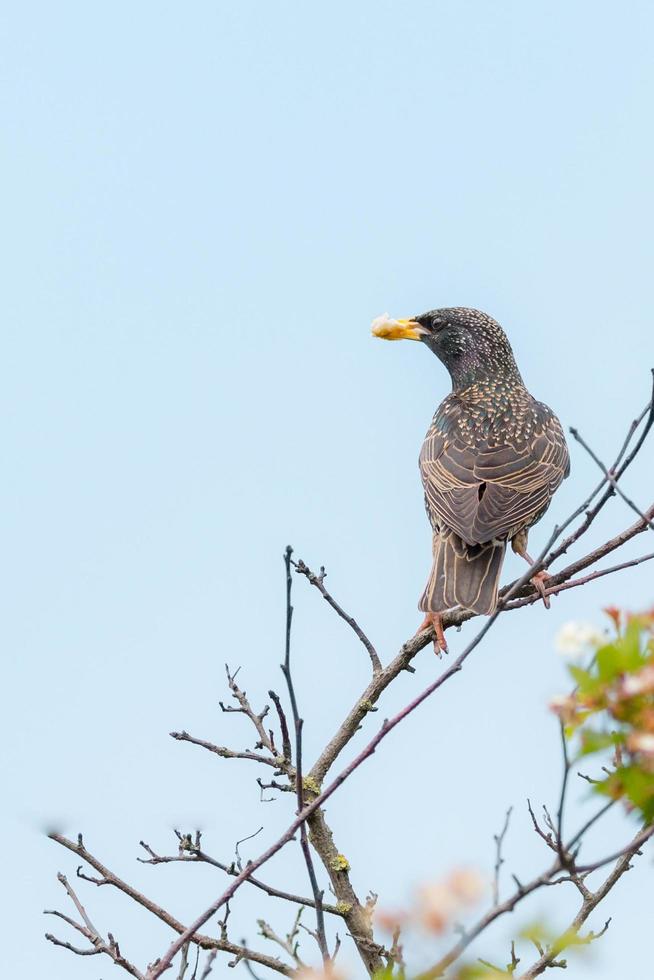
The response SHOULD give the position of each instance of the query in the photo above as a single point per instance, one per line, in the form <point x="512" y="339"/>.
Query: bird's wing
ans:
<point x="490" y="491"/>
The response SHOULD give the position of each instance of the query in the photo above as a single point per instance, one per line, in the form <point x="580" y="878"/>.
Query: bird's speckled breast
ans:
<point x="491" y="413"/>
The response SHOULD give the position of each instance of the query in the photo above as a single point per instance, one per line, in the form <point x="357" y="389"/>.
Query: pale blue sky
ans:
<point x="204" y="206"/>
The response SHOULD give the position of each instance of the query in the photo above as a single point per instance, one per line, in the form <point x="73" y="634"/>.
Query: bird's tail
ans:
<point x="464" y="575"/>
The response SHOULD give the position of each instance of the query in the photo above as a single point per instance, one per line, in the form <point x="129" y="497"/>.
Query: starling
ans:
<point x="490" y="462"/>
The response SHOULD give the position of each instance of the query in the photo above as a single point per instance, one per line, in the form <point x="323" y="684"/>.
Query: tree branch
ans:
<point x="223" y="751"/>
<point x="525" y="595"/>
<point x="513" y="596"/>
<point x="319" y="582"/>
<point x="590" y="902"/>
<point x="321" y="938"/>
<point x="205" y="942"/>
<point x="609" y="476"/>
<point x="88" y="930"/>
<point x="617" y="470"/>
<point x="201" y="857"/>
<point x="499" y="860"/>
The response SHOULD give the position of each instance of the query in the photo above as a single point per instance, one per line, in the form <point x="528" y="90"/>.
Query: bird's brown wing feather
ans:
<point x="488" y="491"/>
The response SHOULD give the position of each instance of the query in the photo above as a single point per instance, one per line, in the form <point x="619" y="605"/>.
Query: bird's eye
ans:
<point x="438" y="324"/>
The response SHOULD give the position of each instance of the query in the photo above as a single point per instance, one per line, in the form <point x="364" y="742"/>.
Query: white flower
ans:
<point x="640" y="683"/>
<point x="641" y="742"/>
<point x="576" y="638"/>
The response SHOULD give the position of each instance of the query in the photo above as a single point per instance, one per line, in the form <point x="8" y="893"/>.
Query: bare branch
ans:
<point x="499" y="860"/>
<point x="617" y="471"/>
<point x="525" y="595"/>
<point x="519" y="593"/>
<point x="558" y="835"/>
<point x="183" y="966"/>
<point x="223" y="751"/>
<point x="571" y="935"/>
<point x="208" y="965"/>
<point x="201" y="857"/>
<point x="74" y="949"/>
<point x="239" y="861"/>
<point x="283" y="725"/>
<point x="88" y="930"/>
<point x="408" y="651"/>
<point x="631" y="849"/>
<point x="320" y="934"/>
<point x="78" y="905"/>
<point x="245" y="708"/>
<point x="289" y="943"/>
<point x="205" y="942"/>
<point x="319" y="582"/>
<point x="311" y="807"/>
<point x="610" y="476"/>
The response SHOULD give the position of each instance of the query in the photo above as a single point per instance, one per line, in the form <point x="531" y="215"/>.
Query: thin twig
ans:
<point x="321" y="936"/>
<point x="237" y="853"/>
<point x="286" y="741"/>
<point x="499" y="860"/>
<point x="637" y="842"/>
<point x="201" y="857"/>
<point x="618" y="470"/>
<point x="591" y="901"/>
<point x="205" y="942"/>
<point x="548" y="877"/>
<point x="98" y="945"/>
<point x="208" y="966"/>
<point x="319" y="582"/>
<point x="164" y="963"/>
<point x="518" y="591"/>
<point x="564" y="786"/>
<point x="407" y="653"/>
<point x="589" y="823"/>
<point x="223" y="751"/>
<point x="610" y="476"/>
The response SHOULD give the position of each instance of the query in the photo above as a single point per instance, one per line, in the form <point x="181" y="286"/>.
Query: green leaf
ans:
<point x="386" y="973"/>
<point x="638" y="786"/>
<point x="592" y="741"/>
<point x="587" y="684"/>
<point x="630" y="645"/>
<point x="609" y="661"/>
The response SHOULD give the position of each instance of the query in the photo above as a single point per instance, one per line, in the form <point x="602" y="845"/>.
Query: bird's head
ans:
<point x="471" y="345"/>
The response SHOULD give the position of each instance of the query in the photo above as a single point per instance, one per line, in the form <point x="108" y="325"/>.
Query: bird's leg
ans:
<point x="519" y="545"/>
<point x="435" y="620"/>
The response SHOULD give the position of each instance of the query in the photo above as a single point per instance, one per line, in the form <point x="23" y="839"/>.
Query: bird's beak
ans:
<point x="389" y="329"/>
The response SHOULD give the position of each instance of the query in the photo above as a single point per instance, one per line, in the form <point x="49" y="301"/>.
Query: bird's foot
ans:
<point x="538" y="581"/>
<point x="435" y="620"/>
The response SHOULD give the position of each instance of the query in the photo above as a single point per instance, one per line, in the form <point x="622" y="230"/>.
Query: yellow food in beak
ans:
<point x="388" y="329"/>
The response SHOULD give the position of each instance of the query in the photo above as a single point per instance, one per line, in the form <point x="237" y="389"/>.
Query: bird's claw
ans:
<point x="435" y="620"/>
<point x="538" y="581"/>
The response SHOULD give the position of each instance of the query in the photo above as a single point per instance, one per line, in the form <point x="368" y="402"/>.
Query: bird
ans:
<point x="490" y="462"/>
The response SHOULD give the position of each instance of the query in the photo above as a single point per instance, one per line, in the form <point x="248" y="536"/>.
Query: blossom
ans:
<point x="565" y="706"/>
<point x="440" y="902"/>
<point x="437" y="904"/>
<point x="641" y="742"/>
<point x="467" y="884"/>
<point x="615" y="614"/>
<point x="574" y="638"/>
<point x="325" y="973"/>
<point x="389" y="920"/>
<point x="640" y="683"/>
